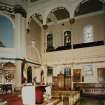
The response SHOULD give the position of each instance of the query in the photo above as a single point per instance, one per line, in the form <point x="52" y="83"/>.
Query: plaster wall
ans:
<point x="57" y="69"/>
<point x="19" y="46"/>
<point x="45" y="6"/>
<point x="96" y="20"/>
<point x="33" y="42"/>
<point x="98" y="23"/>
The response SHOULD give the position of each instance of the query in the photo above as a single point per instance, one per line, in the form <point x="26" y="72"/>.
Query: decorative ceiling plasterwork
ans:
<point x="37" y="17"/>
<point x="12" y="9"/>
<point x="57" y="14"/>
<point x="84" y="7"/>
<point x="60" y="11"/>
<point x="45" y="11"/>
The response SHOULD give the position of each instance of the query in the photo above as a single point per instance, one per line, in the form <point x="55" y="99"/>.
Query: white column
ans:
<point x="18" y="74"/>
<point x="17" y="31"/>
<point x="20" y="32"/>
<point x="23" y="37"/>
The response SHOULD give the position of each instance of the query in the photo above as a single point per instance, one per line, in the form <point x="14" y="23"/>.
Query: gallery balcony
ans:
<point x="95" y="53"/>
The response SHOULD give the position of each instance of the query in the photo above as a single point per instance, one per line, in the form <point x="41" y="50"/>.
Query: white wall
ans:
<point x="77" y="59"/>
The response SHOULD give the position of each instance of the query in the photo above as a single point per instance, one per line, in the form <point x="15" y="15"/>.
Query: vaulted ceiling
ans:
<point x="60" y="13"/>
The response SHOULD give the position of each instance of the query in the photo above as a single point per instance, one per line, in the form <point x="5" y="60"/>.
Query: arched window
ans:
<point x="88" y="33"/>
<point x="50" y="42"/>
<point x="6" y="32"/>
<point x="67" y="38"/>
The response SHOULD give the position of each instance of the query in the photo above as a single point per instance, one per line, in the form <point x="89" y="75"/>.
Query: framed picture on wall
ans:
<point x="76" y="75"/>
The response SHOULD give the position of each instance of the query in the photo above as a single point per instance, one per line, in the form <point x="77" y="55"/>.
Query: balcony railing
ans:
<point x="75" y="46"/>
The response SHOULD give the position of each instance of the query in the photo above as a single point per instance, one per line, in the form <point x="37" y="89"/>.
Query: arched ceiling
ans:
<point x="32" y="1"/>
<point x="88" y="6"/>
<point x="58" y="14"/>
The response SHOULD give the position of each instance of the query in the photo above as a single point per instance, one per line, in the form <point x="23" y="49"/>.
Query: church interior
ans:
<point x="52" y="52"/>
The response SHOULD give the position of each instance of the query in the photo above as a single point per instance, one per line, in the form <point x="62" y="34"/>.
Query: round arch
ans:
<point x="8" y="37"/>
<point x="34" y="51"/>
<point x="77" y="5"/>
<point x="51" y="7"/>
<point x="8" y="17"/>
<point x="29" y="18"/>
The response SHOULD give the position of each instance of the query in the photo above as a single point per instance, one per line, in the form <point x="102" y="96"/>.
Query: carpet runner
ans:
<point x="12" y="99"/>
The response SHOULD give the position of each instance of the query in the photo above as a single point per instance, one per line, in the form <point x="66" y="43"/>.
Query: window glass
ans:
<point x="6" y="32"/>
<point x="88" y="33"/>
<point x="49" y="41"/>
<point x="67" y="38"/>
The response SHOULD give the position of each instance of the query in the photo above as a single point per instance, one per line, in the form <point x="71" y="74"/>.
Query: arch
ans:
<point x="2" y="14"/>
<point x="19" y="9"/>
<point x="32" y="45"/>
<point x="7" y="38"/>
<point x="74" y="6"/>
<point x="84" y="7"/>
<point x="37" y="20"/>
<point x="50" y="8"/>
